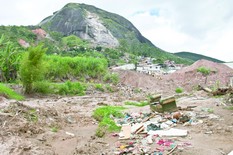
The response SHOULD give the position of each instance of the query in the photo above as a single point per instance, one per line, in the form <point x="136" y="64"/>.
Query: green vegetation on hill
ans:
<point x="14" y="33"/>
<point x="196" y="57"/>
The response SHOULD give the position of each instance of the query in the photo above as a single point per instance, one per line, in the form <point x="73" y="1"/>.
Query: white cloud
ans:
<point x="199" y="26"/>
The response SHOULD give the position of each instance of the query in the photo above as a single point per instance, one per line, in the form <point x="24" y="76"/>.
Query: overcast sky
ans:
<point x="199" y="26"/>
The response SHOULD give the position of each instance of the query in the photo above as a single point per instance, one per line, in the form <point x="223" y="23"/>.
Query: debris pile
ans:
<point x="161" y="131"/>
<point x="152" y="133"/>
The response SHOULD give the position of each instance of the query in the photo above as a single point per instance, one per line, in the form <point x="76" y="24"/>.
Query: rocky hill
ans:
<point x="92" y="24"/>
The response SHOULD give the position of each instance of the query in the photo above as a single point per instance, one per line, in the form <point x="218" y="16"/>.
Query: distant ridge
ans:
<point x="196" y="57"/>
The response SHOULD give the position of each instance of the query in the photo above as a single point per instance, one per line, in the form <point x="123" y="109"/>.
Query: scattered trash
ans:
<point x="153" y="127"/>
<point x="157" y="132"/>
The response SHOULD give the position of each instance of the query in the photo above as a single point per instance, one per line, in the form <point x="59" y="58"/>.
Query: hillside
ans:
<point x="196" y="57"/>
<point x="105" y="29"/>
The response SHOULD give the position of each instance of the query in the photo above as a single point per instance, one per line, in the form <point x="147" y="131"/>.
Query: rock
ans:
<point x="95" y="25"/>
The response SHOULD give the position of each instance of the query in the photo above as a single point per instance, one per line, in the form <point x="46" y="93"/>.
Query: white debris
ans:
<point x="169" y="133"/>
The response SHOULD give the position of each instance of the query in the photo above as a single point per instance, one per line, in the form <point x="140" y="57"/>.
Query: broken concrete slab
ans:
<point x="125" y="131"/>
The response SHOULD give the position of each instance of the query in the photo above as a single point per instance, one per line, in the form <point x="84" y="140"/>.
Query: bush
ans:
<point x="111" y="78"/>
<point x="179" y="90"/>
<point x="32" y="68"/>
<point x="102" y="115"/>
<point x="9" y="93"/>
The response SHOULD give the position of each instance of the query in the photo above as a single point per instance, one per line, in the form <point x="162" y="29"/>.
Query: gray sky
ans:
<point x="199" y="26"/>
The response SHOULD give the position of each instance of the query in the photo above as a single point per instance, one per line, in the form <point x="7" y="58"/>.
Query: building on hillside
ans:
<point x="149" y="69"/>
<point x="146" y="66"/>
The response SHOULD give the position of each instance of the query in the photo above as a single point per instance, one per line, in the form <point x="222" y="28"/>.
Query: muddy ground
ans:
<point x="76" y="128"/>
<point x="61" y="125"/>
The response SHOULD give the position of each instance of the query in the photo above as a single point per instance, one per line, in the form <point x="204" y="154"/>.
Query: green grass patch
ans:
<point x="67" y="88"/>
<point x="179" y="90"/>
<point x="10" y="93"/>
<point x="54" y="129"/>
<point x="138" y="104"/>
<point x="104" y="116"/>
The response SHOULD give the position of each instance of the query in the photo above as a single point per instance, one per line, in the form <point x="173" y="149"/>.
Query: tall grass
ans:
<point x="4" y="90"/>
<point x="63" y="67"/>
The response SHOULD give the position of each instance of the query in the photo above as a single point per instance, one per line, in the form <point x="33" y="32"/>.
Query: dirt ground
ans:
<point x="27" y="127"/>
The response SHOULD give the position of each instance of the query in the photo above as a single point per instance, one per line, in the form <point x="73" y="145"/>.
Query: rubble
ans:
<point x="164" y="130"/>
<point x="149" y="133"/>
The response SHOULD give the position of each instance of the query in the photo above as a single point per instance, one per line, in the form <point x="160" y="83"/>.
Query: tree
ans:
<point x="32" y="68"/>
<point x="204" y="71"/>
